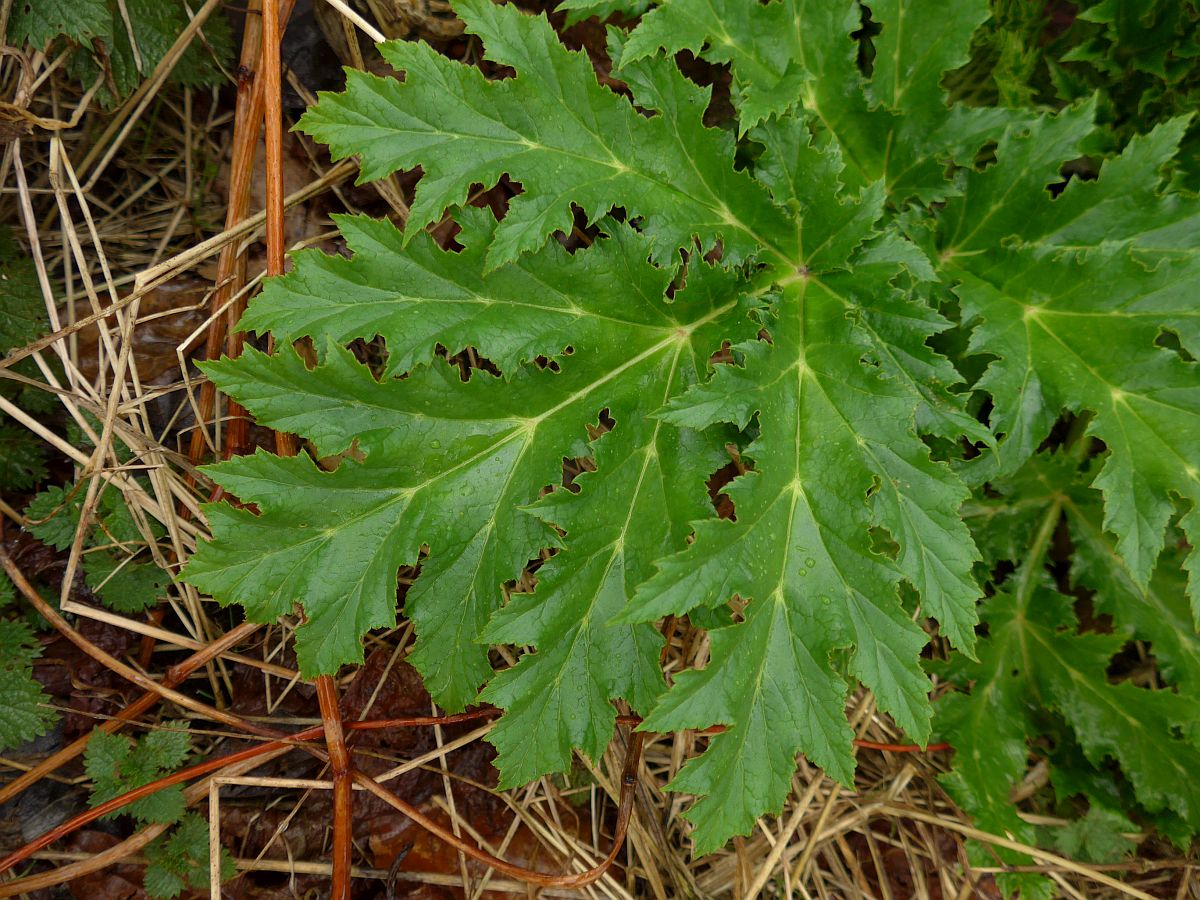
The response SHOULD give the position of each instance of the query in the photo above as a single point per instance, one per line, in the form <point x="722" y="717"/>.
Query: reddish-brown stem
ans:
<point x="272" y="77"/>
<point x="285" y="444"/>
<point x="248" y="117"/>
<point x="343" y="785"/>
<point x="146" y="651"/>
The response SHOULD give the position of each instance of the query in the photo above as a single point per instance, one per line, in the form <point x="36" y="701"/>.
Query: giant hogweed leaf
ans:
<point x="1157" y="613"/>
<point x="1130" y="204"/>
<point x="1126" y="204"/>
<point x="801" y="552"/>
<point x="1081" y="332"/>
<point x="909" y="135"/>
<point x="989" y="729"/>
<point x="895" y="128"/>
<point x="448" y="465"/>
<point x="553" y="128"/>
<point x="1034" y="653"/>
<point x="836" y="454"/>
<point x="764" y="42"/>
<point x="416" y="296"/>
<point x="637" y="508"/>
<point x="997" y="202"/>
<point x="1034" y="661"/>
<point x="803" y="173"/>
<point x="578" y="10"/>
<point x="842" y="501"/>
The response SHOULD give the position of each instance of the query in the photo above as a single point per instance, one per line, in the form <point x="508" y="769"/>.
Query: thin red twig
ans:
<point x="272" y="77"/>
<point x="248" y="117"/>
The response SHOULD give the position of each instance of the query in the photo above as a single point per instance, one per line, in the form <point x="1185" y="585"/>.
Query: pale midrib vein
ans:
<point x="902" y="500"/>
<point x="334" y="309"/>
<point x="1000" y="287"/>
<point x="719" y="211"/>
<point x="615" y="545"/>
<point x="801" y="369"/>
<point x="1102" y="697"/>
<point x="530" y="424"/>
<point x="1148" y="398"/>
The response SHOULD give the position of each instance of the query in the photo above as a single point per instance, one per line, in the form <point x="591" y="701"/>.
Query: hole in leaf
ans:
<point x="467" y="360"/>
<point x="883" y="543"/>
<point x="1168" y="339"/>
<point x="986" y="156"/>
<point x="721" y="501"/>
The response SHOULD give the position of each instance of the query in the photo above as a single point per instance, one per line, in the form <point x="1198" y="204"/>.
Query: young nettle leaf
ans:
<point x="39" y="21"/>
<point x="116" y="765"/>
<point x="23" y="711"/>
<point x="155" y="25"/>
<point x="54" y="515"/>
<point x="22" y="309"/>
<point x="103" y="34"/>
<point x="129" y="585"/>
<point x="22" y="458"/>
<point x="180" y="860"/>
<point x="1101" y="836"/>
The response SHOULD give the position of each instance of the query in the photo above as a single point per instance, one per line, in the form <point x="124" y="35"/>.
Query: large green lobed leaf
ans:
<point x="902" y="311"/>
